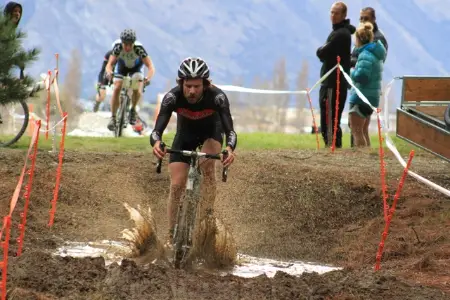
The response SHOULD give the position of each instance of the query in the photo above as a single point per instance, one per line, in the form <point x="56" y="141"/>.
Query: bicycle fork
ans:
<point x="187" y="211"/>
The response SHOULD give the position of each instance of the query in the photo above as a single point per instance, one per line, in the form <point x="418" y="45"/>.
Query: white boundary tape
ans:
<point x="36" y="118"/>
<point x="383" y="120"/>
<point x="233" y="88"/>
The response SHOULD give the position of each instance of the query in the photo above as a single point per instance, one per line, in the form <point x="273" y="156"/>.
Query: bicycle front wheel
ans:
<point x="121" y="114"/>
<point x="180" y="238"/>
<point x="14" y="119"/>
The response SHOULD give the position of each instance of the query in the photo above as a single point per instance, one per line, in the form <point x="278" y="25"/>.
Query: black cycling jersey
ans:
<point x="212" y="109"/>
<point x="101" y="75"/>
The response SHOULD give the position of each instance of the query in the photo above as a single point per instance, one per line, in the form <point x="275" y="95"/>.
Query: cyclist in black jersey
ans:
<point x="203" y="115"/>
<point x="102" y="82"/>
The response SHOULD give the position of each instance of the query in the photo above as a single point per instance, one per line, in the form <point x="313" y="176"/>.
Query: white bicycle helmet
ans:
<point x="193" y="68"/>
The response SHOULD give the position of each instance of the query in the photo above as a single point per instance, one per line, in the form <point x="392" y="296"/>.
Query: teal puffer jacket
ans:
<point x="368" y="73"/>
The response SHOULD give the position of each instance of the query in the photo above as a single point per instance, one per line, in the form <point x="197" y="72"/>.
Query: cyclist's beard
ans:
<point x="192" y="98"/>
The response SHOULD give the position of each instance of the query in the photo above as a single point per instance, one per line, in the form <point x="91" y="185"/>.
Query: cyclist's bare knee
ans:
<point x="178" y="173"/>
<point x="208" y="168"/>
<point x="210" y="146"/>
<point x="117" y="86"/>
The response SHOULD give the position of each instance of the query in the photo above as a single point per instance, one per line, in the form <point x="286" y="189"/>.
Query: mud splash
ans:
<point x="248" y="266"/>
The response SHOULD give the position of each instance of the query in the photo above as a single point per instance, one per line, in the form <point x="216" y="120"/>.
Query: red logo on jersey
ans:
<point x="195" y="115"/>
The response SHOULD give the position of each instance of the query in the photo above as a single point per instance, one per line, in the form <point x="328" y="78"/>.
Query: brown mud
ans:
<point x="298" y="205"/>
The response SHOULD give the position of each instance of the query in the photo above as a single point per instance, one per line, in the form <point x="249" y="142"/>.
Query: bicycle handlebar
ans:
<point x="195" y="154"/>
<point x="110" y="81"/>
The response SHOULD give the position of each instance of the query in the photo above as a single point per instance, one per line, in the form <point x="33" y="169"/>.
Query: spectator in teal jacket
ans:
<point x="367" y="77"/>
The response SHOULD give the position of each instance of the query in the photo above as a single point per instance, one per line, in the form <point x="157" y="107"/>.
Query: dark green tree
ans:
<point x="13" y="57"/>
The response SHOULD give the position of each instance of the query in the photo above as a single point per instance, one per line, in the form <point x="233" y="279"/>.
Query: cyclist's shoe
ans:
<point x="112" y="124"/>
<point x="133" y="116"/>
<point x="168" y="245"/>
<point x="96" y="106"/>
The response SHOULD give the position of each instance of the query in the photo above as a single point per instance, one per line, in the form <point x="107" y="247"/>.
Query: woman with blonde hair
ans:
<point x="367" y="77"/>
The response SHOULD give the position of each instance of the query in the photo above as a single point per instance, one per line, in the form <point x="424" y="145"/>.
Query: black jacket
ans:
<point x="9" y="9"/>
<point x="7" y="12"/>
<point x="339" y="43"/>
<point x="377" y="36"/>
<point x="101" y="74"/>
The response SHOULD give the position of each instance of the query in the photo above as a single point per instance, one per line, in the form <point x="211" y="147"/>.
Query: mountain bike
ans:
<point x="187" y="209"/>
<point x="123" y="113"/>
<point x="14" y="117"/>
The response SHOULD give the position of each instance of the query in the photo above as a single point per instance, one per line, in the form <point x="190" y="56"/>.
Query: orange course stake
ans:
<point x="391" y="212"/>
<point x="336" y="112"/>
<point x="316" y="130"/>
<point x="58" y="172"/>
<point x="47" y="107"/>
<point x="30" y="173"/>
<point x="5" y="245"/>
<point x="31" y="120"/>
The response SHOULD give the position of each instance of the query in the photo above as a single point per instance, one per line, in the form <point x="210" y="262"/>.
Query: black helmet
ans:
<point x="128" y="36"/>
<point x="193" y="68"/>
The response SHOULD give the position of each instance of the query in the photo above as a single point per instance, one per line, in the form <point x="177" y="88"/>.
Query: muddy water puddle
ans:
<point x="248" y="266"/>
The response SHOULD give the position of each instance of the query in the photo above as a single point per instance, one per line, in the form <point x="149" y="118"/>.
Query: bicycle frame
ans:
<point x="187" y="209"/>
<point x="124" y="103"/>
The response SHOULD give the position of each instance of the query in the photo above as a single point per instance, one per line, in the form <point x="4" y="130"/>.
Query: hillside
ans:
<point x="238" y="38"/>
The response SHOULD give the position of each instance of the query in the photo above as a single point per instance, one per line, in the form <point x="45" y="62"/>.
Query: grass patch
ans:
<point x="246" y="141"/>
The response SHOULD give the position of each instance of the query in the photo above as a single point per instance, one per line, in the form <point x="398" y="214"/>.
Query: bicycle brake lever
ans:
<point x="225" y="169"/>
<point x="159" y="163"/>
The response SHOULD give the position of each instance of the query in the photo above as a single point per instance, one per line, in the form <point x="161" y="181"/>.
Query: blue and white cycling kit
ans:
<point x="128" y="62"/>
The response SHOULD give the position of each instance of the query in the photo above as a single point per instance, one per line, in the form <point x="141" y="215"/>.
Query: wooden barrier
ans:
<point x="423" y="134"/>
<point x="426" y="89"/>
<point x="436" y="112"/>
<point x="420" y="119"/>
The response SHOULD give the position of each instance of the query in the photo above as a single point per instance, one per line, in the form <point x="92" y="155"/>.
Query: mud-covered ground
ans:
<point x="286" y="205"/>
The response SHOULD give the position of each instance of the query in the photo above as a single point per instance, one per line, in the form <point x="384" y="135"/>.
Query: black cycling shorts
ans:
<point x="104" y="82"/>
<point x="190" y="140"/>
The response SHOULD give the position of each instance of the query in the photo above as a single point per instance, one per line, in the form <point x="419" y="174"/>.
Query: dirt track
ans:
<point x="278" y="204"/>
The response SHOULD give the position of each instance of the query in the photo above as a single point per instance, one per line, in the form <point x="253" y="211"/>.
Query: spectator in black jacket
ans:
<point x="338" y="44"/>
<point x="368" y="15"/>
<point x="14" y="11"/>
